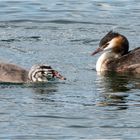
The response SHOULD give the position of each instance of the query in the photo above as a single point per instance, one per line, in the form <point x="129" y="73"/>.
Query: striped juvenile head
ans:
<point x="43" y="73"/>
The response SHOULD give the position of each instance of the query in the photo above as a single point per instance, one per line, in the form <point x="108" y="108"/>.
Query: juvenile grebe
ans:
<point x="116" y="56"/>
<point x="39" y="73"/>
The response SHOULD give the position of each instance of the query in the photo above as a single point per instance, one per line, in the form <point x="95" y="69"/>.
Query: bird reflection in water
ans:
<point x="115" y="88"/>
<point x="44" y="91"/>
<point x="44" y="88"/>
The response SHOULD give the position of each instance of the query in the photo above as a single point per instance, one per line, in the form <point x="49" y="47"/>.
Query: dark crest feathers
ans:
<point x="109" y="36"/>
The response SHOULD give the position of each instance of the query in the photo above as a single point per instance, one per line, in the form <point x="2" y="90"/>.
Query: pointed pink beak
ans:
<point x="97" y="51"/>
<point x="58" y="75"/>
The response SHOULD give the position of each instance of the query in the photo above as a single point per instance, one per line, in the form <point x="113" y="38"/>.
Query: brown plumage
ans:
<point x="13" y="73"/>
<point x="129" y="62"/>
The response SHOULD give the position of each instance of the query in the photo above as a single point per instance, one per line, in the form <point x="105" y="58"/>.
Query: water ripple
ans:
<point x="57" y="117"/>
<point x="58" y="21"/>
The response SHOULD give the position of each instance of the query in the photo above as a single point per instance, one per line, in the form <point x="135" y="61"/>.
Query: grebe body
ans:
<point x="38" y="73"/>
<point x="116" y="55"/>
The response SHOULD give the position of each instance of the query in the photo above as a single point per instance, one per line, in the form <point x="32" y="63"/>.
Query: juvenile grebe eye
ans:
<point x="50" y="74"/>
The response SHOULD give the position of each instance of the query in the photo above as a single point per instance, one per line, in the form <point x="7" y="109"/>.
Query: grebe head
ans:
<point x="113" y="42"/>
<point x="43" y="73"/>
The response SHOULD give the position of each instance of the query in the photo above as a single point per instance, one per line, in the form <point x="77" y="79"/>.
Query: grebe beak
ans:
<point x="97" y="51"/>
<point x="58" y="75"/>
<point x="102" y="48"/>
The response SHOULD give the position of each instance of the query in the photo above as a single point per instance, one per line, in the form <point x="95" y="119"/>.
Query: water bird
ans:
<point x="116" y="55"/>
<point x="12" y="73"/>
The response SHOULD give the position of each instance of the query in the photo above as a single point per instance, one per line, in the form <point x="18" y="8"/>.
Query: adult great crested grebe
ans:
<point x="38" y="73"/>
<point x="116" y="55"/>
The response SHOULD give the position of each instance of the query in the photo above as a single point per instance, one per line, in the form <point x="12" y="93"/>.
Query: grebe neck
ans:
<point x="101" y="64"/>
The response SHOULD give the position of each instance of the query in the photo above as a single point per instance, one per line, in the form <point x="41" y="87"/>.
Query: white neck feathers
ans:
<point x="103" y="59"/>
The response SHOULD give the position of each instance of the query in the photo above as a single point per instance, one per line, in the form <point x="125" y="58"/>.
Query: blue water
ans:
<point x="63" y="34"/>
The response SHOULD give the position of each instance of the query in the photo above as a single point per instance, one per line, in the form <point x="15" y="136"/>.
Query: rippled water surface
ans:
<point x="63" y="33"/>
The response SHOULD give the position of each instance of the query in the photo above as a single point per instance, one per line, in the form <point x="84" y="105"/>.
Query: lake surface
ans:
<point x="63" y="34"/>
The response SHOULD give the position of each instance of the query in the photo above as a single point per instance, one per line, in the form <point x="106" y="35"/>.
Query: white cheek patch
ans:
<point x="111" y="45"/>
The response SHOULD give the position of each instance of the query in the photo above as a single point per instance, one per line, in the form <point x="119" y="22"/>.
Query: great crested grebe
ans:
<point x="116" y="55"/>
<point x="38" y="73"/>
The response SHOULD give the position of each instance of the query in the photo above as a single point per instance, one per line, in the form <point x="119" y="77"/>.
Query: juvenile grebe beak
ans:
<point x="58" y="75"/>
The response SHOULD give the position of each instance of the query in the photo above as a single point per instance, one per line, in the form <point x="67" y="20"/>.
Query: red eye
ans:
<point x="104" y="46"/>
